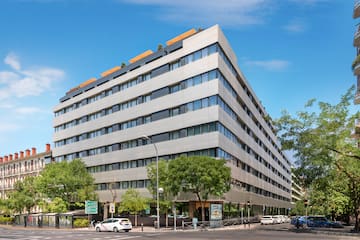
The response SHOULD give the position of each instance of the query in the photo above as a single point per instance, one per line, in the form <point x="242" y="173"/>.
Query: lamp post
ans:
<point x="157" y="183"/>
<point x="248" y="208"/>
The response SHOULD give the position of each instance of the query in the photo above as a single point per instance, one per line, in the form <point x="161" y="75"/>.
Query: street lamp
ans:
<point x="157" y="183"/>
<point x="248" y="208"/>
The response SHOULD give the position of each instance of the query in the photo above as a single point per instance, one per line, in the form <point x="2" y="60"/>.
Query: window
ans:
<point x="197" y="105"/>
<point x="174" y="65"/>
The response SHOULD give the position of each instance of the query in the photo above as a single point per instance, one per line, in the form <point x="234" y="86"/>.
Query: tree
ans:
<point x="57" y="205"/>
<point x="201" y="175"/>
<point x="324" y="149"/>
<point x="165" y="201"/>
<point x="24" y="196"/>
<point x="133" y="203"/>
<point x="69" y="181"/>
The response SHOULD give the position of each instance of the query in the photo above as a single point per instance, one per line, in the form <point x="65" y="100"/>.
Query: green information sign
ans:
<point x="91" y="207"/>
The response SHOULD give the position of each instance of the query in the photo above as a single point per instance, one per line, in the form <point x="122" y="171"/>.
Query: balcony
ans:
<point x="356" y="9"/>
<point x="357" y="98"/>
<point x="356" y="66"/>
<point x="357" y="38"/>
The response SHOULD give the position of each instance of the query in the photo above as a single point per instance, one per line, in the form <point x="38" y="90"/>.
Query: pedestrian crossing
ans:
<point x="48" y="235"/>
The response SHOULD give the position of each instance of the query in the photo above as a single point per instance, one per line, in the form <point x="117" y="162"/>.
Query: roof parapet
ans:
<point x="110" y="71"/>
<point x="181" y="37"/>
<point x="141" y="56"/>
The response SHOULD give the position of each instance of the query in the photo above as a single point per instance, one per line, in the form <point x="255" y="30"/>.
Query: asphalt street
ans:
<point x="254" y="234"/>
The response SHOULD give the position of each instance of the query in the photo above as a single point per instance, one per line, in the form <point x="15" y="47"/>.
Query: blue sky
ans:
<point x="289" y="50"/>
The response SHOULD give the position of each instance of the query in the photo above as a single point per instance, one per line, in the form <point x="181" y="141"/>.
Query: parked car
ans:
<point x="321" y="221"/>
<point x="287" y="219"/>
<point x="277" y="219"/>
<point x="114" y="225"/>
<point x="267" y="219"/>
<point x="298" y="220"/>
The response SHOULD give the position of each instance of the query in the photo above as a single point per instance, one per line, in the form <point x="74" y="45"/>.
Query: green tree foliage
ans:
<point x="132" y="202"/>
<point x="321" y="141"/>
<point x="69" y="181"/>
<point x="24" y="196"/>
<point x="204" y="176"/>
<point x="57" y="205"/>
<point x="165" y="200"/>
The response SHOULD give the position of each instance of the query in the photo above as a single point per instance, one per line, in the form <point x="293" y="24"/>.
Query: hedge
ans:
<point x="81" y="222"/>
<point x="6" y="220"/>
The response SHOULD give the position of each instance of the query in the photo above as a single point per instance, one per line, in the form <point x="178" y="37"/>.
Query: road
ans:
<point x="259" y="234"/>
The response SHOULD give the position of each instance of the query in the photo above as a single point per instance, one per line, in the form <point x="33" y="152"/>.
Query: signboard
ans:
<point x="91" y="207"/>
<point x="112" y="208"/>
<point x="215" y="211"/>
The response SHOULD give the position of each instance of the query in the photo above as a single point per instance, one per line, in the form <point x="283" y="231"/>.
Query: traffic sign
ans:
<point x="91" y="207"/>
<point x="112" y="207"/>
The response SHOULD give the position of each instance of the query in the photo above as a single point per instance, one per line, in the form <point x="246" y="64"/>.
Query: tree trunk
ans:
<point x="202" y="210"/>
<point x="136" y="220"/>
<point x="356" y="228"/>
<point x="166" y="218"/>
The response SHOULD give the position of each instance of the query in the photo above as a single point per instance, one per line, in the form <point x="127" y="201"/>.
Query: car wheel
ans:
<point x="115" y="229"/>
<point x="98" y="229"/>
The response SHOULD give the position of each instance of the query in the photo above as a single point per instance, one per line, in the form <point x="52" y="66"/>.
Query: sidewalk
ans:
<point x="198" y="229"/>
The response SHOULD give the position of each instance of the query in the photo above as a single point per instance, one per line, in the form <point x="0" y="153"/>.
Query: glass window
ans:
<point x="190" y="106"/>
<point x="190" y="131"/>
<point x="204" y="52"/>
<point x="213" y="74"/>
<point x="140" y="162"/>
<point x="174" y="65"/>
<point x="188" y="59"/>
<point x="197" y="55"/>
<point x="175" y="111"/>
<point x="141" y="183"/>
<point x="190" y="82"/>
<point x="197" y="80"/>
<point x="197" y="105"/>
<point x="205" y="77"/>
<point x="197" y="130"/>
<point x="212" y="100"/>
<point x="125" y="185"/>
<point x="175" y="88"/>
<point x="134" y="164"/>
<point x="205" y="128"/>
<point x="212" y="49"/>
<point x="204" y="102"/>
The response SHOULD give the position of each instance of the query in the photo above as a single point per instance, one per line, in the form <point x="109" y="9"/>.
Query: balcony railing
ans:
<point x="357" y="38"/>
<point x="357" y="99"/>
<point x="356" y="9"/>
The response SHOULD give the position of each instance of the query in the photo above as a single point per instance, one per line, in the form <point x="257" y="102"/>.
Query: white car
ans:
<point x="278" y="219"/>
<point x="114" y="225"/>
<point x="267" y="220"/>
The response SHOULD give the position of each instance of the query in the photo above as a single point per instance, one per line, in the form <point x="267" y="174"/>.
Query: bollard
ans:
<point x="142" y="227"/>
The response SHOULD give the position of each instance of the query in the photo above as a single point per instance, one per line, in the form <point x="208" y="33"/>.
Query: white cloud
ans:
<point x="12" y="60"/>
<point x="8" y="127"/>
<point x="28" y="82"/>
<point x="295" y="26"/>
<point x="270" y="65"/>
<point x="27" y="110"/>
<point x="225" y="13"/>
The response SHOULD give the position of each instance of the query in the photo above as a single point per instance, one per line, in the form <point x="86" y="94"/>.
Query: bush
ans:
<point x="6" y="220"/>
<point x="81" y="222"/>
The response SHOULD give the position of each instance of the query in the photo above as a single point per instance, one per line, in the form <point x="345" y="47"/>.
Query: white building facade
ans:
<point x="189" y="98"/>
<point x="16" y="167"/>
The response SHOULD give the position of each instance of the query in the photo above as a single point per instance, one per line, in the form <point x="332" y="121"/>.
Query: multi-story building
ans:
<point x="356" y="63"/>
<point x="297" y="192"/>
<point x="15" y="167"/>
<point x="188" y="97"/>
